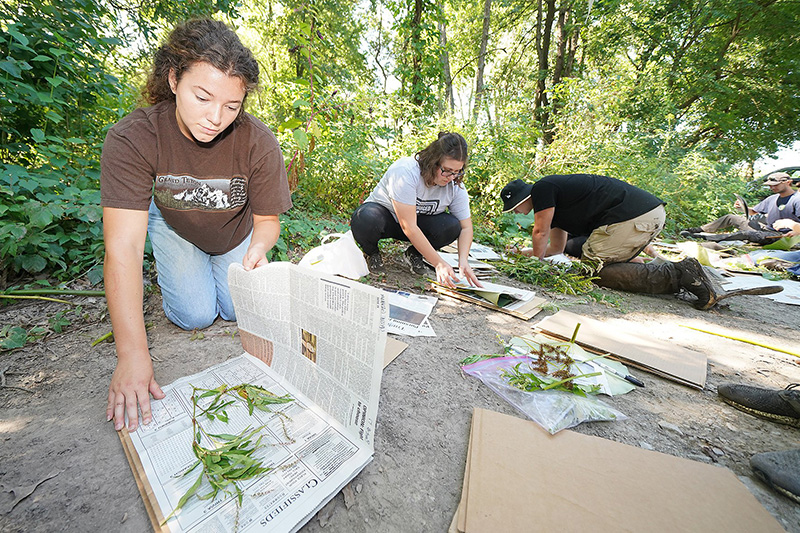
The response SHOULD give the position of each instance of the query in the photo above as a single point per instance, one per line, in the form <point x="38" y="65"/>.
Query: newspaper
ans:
<point x="409" y="313"/>
<point x="474" y="264"/>
<point x="318" y="338"/>
<point x="481" y="252"/>
<point x="511" y="298"/>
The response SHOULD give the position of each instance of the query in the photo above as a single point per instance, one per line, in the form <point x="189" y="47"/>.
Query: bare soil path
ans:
<point x="54" y="439"/>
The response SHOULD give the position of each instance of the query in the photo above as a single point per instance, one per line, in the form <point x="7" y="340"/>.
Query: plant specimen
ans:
<point x="231" y="458"/>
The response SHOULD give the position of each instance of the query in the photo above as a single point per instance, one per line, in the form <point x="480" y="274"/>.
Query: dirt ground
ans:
<point x="53" y="431"/>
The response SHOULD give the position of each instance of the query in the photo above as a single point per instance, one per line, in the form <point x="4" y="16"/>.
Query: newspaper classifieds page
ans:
<point x="325" y="334"/>
<point x="408" y="314"/>
<point x="310" y="454"/>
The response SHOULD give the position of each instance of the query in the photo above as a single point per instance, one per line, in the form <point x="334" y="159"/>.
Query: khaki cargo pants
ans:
<point x="622" y="241"/>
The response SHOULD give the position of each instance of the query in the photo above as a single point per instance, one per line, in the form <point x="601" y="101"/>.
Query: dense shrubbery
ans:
<point x="57" y="100"/>
<point x="60" y="91"/>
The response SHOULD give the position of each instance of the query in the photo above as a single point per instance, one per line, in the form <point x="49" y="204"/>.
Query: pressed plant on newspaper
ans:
<point x="231" y="459"/>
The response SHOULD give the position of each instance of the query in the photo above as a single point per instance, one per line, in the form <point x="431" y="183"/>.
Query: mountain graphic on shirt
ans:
<point x="204" y="196"/>
<point x="184" y="192"/>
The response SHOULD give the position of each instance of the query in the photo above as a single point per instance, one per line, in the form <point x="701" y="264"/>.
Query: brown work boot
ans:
<point x="694" y="280"/>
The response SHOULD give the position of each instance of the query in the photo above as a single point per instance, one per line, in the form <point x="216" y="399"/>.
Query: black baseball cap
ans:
<point x="514" y="194"/>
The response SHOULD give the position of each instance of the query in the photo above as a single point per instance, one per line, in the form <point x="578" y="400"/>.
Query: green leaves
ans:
<point x="231" y="458"/>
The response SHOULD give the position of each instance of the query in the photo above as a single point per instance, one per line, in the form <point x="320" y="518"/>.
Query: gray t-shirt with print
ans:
<point x="403" y="183"/>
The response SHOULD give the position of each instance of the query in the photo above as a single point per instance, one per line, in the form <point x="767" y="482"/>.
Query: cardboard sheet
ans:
<point x="149" y="499"/>
<point x="642" y="351"/>
<point x="520" y="478"/>
<point x="525" y="311"/>
<point x="394" y="348"/>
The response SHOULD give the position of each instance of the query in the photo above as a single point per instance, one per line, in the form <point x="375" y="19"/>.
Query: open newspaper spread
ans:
<point x="321" y="340"/>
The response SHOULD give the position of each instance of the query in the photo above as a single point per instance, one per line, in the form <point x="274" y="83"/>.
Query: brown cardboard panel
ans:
<point x="149" y="499"/>
<point x="653" y="355"/>
<point x="524" y="479"/>
<point x="460" y="518"/>
<point x="526" y="312"/>
<point x="394" y="348"/>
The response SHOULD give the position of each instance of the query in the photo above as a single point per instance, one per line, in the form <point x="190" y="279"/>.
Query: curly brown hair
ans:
<point x="194" y="41"/>
<point x="447" y="145"/>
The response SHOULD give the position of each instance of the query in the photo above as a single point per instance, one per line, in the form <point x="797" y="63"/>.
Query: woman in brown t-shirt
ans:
<point x="204" y="179"/>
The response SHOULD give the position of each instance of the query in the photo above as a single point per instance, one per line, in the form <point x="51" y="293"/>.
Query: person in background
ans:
<point x="780" y="213"/>
<point x="422" y="200"/>
<point x="204" y="179"/>
<point x="618" y="220"/>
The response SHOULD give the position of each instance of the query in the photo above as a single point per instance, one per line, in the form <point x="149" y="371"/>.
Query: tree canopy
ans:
<point x="677" y="97"/>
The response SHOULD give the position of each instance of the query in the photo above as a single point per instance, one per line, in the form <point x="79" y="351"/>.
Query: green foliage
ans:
<point x="575" y="279"/>
<point x="417" y="51"/>
<point x="230" y="459"/>
<point x="12" y="337"/>
<point x="659" y="98"/>
<point x="57" y="100"/>
<point x="302" y="230"/>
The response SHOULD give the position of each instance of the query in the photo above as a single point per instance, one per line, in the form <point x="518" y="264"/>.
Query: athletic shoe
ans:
<point x="375" y="263"/>
<point x="782" y="406"/>
<point x="779" y="470"/>
<point x="413" y="259"/>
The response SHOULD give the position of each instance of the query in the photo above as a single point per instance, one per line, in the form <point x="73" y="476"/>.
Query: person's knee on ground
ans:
<point x="198" y="314"/>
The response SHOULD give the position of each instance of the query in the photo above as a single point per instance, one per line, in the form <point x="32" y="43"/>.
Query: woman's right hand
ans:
<point x="445" y="275"/>
<point x="131" y="385"/>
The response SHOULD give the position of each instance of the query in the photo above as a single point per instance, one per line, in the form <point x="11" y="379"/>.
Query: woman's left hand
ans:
<point x="467" y="272"/>
<point x="255" y="257"/>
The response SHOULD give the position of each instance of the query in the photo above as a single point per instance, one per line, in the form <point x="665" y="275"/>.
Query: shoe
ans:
<point x="686" y="234"/>
<point x="695" y="229"/>
<point x="413" y="259"/>
<point x="375" y="263"/>
<point x="782" y="406"/>
<point x="779" y="470"/>
<point x="693" y="279"/>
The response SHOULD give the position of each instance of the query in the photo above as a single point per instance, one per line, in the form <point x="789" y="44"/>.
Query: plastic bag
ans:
<point x="554" y="410"/>
<point x="342" y="257"/>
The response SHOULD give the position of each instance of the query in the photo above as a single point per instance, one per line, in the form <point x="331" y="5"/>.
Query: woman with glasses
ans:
<point x="421" y="199"/>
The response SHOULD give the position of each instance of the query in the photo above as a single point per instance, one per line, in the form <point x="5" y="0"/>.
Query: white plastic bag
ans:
<point x="554" y="410"/>
<point x="341" y="256"/>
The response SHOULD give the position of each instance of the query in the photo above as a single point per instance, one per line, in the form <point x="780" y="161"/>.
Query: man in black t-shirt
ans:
<point x="618" y="221"/>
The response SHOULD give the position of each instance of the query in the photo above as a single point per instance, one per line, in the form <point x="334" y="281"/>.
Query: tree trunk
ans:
<point x="416" y="58"/>
<point x="543" y="36"/>
<point x="487" y="10"/>
<point x="448" y="80"/>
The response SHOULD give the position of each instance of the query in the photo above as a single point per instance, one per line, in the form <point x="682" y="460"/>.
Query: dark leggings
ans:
<point x="372" y="222"/>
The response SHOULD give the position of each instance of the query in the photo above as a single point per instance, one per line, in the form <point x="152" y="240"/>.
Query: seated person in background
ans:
<point x="620" y="221"/>
<point x="781" y="210"/>
<point x="421" y="199"/>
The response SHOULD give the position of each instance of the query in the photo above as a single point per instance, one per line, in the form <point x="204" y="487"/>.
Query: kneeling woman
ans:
<point x="422" y="200"/>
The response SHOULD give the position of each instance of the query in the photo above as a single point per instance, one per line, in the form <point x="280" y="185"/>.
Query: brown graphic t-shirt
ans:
<point x="207" y="192"/>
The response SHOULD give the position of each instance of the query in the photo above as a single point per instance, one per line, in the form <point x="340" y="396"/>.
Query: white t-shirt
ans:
<point x="403" y="183"/>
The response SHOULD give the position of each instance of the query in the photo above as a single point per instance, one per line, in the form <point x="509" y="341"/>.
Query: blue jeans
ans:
<point x="194" y="284"/>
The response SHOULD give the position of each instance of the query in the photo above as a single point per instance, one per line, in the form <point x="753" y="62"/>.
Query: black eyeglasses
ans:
<point x="451" y="173"/>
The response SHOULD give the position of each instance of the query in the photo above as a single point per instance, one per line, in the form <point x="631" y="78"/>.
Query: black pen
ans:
<point x="635" y="381"/>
